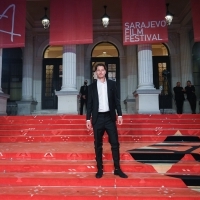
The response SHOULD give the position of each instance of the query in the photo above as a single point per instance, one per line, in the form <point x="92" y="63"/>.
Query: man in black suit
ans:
<point x="191" y="96"/>
<point x="179" y="97"/>
<point x="83" y="96"/>
<point x="102" y="102"/>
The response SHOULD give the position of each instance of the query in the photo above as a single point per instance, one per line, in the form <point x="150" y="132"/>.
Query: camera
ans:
<point x="165" y="72"/>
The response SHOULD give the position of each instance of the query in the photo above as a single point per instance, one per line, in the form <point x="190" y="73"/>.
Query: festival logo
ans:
<point x="144" y="22"/>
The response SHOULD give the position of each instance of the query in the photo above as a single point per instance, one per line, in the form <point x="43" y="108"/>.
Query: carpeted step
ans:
<point x="96" y="193"/>
<point x="125" y="116"/>
<point x="83" y="126"/>
<point x="146" y="151"/>
<point x="122" y="131"/>
<point x="81" y="120"/>
<point x="58" y="136"/>
<point x="88" y="179"/>
<point x="76" y="138"/>
<point x="130" y="166"/>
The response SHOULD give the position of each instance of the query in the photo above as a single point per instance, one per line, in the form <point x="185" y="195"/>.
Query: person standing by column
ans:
<point x="191" y="96"/>
<point x="102" y="102"/>
<point x="179" y="97"/>
<point x="83" y="96"/>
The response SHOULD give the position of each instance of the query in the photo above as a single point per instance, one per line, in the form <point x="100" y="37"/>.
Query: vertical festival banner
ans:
<point x="12" y="23"/>
<point x="144" y="22"/>
<point x="195" y="6"/>
<point x="71" y="22"/>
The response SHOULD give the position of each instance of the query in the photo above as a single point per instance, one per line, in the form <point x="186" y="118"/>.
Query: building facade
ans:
<point x="40" y="78"/>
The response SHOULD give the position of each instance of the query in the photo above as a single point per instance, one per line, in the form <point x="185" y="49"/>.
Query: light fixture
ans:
<point x="105" y="19"/>
<point x="45" y="20"/>
<point x="169" y="16"/>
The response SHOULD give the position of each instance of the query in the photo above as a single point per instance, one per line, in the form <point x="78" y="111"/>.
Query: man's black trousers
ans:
<point x="105" y="123"/>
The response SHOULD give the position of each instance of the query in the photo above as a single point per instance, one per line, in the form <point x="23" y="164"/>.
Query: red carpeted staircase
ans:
<point x="52" y="157"/>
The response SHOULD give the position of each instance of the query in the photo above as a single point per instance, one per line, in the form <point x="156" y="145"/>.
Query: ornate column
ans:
<point x="27" y="75"/>
<point x="146" y="95"/>
<point x="131" y="63"/>
<point x="67" y="96"/>
<point x="80" y="73"/>
<point x="26" y="106"/>
<point x="3" y="97"/>
<point x="186" y="57"/>
<point x="186" y="63"/>
<point x="69" y="68"/>
<point x="145" y="68"/>
<point x="1" y="54"/>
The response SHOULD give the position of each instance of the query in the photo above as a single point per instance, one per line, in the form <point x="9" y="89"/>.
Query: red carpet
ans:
<point x="52" y="157"/>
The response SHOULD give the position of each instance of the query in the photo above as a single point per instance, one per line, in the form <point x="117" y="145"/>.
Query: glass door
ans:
<point x="162" y="80"/>
<point x="52" y="82"/>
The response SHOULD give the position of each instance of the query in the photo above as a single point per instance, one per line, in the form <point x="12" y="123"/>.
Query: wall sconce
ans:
<point x="169" y="16"/>
<point x="45" y="20"/>
<point x="105" y="19"/>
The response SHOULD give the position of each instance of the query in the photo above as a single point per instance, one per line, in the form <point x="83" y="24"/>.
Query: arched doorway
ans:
<point x="161" y="74"/>
<point x="108" y="54"/>
<point x="51" y="76"/>
<point x="196" y="67"/>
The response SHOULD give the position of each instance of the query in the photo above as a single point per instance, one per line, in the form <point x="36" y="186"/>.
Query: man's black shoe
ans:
<point x="120" y="173"/>
<point x="99" y="174"/>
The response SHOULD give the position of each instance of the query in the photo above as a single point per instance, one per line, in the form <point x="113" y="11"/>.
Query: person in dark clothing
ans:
<point x="103" y="102"/>
<point x="179" y="97"/>
<point x="191" y="96"/>
<point x="83" y="96"/>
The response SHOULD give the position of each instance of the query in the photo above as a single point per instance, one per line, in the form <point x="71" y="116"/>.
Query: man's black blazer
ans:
<point x="190" y="91"/>
<point x="84" y="91"/>
<point x="93" y="101"/>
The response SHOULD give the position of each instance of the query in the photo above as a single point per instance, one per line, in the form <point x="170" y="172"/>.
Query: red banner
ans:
<point x="71" y="22"/>
<point x="12" y="23"/>
<point x="144" y="22"/>
<point x="195" y="5"/>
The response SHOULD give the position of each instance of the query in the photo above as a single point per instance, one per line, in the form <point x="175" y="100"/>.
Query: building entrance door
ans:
<point x="162" y="80"/>
<point x="52" y="81"/>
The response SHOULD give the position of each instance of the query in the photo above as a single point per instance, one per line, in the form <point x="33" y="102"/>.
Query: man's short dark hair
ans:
<point x="100" y="64"/>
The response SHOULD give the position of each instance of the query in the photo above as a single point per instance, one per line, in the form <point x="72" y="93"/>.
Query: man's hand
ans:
<point x="88" y="124"/>
<point x="120" y="120"/>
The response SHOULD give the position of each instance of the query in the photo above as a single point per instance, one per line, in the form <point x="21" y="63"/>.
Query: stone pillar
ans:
<point x="146" y="95"/>
<point x="67" y="96"/>
<point x="175" y="74"/>
<point x="145" y="67"/>
<point x="132" y="69"/>
<point x="186" y="57"/>
<point x="186" y="63"/>
<point x="37" y="82"/>
<point x="131" y="77"/>
<point x="26" y="106"/>
<point x="80" y="73"/>
<point x="3" y="97"/>
<point x="1" y="55"/>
